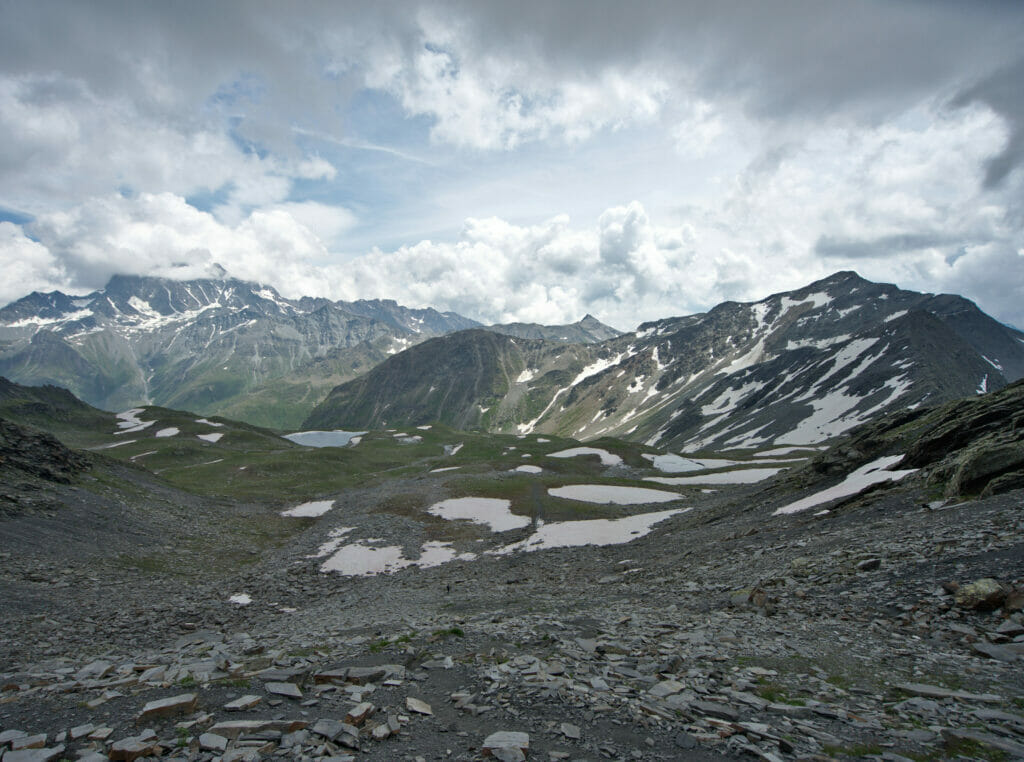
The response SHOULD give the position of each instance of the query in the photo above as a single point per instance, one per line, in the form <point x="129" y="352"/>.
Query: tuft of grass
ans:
<point x="456" y="631"/>
<point x="855" y="750"/>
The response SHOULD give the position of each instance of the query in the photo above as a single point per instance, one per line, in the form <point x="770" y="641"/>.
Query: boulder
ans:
<point x="983" y="595"/>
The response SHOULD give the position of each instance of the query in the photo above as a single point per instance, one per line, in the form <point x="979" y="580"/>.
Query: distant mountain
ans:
<point x="226" y="347"/>
<point x="794" y="368"/>
<point x="589" y="330"/>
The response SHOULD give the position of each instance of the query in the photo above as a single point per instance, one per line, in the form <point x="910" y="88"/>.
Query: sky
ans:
<point x="516" y="161"/>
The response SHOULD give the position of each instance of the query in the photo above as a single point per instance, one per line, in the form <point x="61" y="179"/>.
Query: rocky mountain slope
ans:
<point x="213" y="346"/>
<point x="180" y="614"/>
<point x="794" y="368"/>
<point x="589" y="330"/>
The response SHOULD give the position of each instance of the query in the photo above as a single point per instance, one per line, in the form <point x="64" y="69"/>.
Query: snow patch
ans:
<point x="170" y="431"/>
<point x="574" y="534"/>
<point x="309" y="510"/>
<point x="529" y="469"/>
<point x="493" y="512"/>
<point x="609" y="494"/>
<point x="526" y="375"/>
<point x="607" y="458"/>
<point x="215" y="437"/>
<point x="872" y="473"/>
<point x="740" y="476"/>
<point x="240" y="599"/>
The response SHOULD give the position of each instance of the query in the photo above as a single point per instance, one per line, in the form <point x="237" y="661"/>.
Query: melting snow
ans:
<point x="780" y="451"/>
<point x="894" y="316"/>
<point x="357" y="560"/>
<point x="573" y="534"/>
<point x="446" y="468"/>
<point x="335" y="538"/>
<point x="241" y="599"/>
<point x="816" y="343"/>
<point x="335" y="438"/>
<point x="673" y="464"/>
<point x="607" y="458"/>
<point x="595" y="368"/>
<point x="529" y="469"/>
<point x="309" y="510"/>
<point x="452" y="449"/>
<point x="68" y="318"/>
<point x="170" y="431"/>
<point x="208" y="423"/>
<point x="740" y="476"/>
<point x="493" y="512"/>
<point x="526" y="375"/>
<point x="130" y="418"/>
<point x="606" y="493"/>
<point x="361" y="559"/>
<point x="983" y="386"/>
<point x="210" y="437"/>
<point x="872" y="473"/>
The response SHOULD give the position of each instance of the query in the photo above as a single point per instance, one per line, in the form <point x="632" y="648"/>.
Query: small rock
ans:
<point x="506" y="740"/>
<point x="242" y="703"/>
<point x="213" y="742"/>
<point x="570" y="731"/>
<point x="128" y="749"/>
<point x="36" y="741"/>
<point x="357" y="715"/>
<point x="415" y="705"/>
<point x="288" y="690"/>
<point x="36" y="755"/>
<point x="869" y="564"/>
<point x="183" y="704"/>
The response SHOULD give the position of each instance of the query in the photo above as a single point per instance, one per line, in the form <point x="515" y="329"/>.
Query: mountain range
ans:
<point x="794" y="368"/>
<point x="214" y="346"/>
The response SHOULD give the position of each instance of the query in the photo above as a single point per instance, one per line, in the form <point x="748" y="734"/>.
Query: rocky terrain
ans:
<point x="883" y="624"/>
<point x="794" y="368"/>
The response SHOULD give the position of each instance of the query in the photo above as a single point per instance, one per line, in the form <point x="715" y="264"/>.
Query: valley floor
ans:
<point x="724" y="633"/>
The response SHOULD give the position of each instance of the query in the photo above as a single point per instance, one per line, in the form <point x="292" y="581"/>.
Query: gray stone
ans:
<point x="712" y="709"/>
<point x="128" y="749"/>
<point x="994" y="652"/>
<point x="505" y="739"/>
<point x="288" y="690"/>
<point x="234" y="728"/>
<point x="358" y="714"/>
<point x="242" y="703"/>
<point x="418" y="706"/>
<point x="36" y="741"/>
<point x="81" y="731"/>
<point x="95" y="670"/>
<point x="328" y="728"/>
<point x="937" y="692"/>
<point x="35" y="755"/>
<point x="364" y="675"/>
<point x="570" y="731"/>
<point x="213" y="742"/>
<point x="182" y="704"/>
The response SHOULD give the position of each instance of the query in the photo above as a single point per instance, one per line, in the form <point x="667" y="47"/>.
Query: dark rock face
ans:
<point x="38" y="454"/>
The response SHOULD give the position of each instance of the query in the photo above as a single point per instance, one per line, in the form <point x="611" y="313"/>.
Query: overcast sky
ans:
<point x="516" y="160"/>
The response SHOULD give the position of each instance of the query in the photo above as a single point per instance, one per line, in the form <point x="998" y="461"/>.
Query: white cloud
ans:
<point x="27" y="265"/>
<point x="484" y="99"/>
